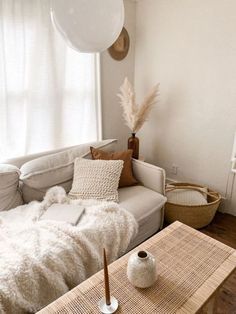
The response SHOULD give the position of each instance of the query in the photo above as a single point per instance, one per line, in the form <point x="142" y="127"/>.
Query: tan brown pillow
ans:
<point x="126" y="178"/>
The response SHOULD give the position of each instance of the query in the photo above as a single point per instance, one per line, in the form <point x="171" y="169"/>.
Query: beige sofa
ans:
<point x="28" y="178"/>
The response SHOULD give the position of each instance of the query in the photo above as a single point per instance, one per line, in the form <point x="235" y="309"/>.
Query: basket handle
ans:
<point x="183" y="187"/>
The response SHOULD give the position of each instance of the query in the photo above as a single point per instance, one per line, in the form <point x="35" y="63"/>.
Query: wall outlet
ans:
<point x="174" y="169"/>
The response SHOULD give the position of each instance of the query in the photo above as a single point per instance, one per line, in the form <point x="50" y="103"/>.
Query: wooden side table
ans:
<point x="191" y="269"/>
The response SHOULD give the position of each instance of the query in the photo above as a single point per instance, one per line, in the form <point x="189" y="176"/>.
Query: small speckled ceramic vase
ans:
<point x="141" y="269"/>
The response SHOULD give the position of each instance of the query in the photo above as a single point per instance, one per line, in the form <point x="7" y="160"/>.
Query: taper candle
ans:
<point x="109" y="304"/>
<point x="106" y="279"/>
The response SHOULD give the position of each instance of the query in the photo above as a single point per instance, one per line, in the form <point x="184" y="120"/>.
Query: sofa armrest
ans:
<point x="149" y="175"/>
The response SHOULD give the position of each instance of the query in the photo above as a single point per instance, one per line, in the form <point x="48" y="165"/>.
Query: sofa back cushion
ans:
<point x="10" y="196"/>
<point x="39" y="174"/>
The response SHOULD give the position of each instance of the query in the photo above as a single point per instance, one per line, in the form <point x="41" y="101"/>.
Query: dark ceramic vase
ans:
<point x="133" y="143"/>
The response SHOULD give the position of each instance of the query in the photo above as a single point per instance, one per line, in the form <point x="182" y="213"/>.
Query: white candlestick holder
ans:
<point x="108" y="309"/>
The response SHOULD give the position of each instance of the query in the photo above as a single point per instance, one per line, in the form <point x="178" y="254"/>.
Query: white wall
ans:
<point x="190" y="48"/>
<point x="112" y="76"/>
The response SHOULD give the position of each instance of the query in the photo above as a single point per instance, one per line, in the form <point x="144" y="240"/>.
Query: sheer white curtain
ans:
<point x="48" y="92"/>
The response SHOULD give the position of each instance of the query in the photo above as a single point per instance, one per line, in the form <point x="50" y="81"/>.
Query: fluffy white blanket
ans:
<point x="41" y="260"/>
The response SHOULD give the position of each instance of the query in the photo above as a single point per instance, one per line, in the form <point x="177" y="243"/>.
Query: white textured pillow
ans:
<point x="10" y="195"/>
<point x="96" y="179"/>
<point x="186" y="196"/>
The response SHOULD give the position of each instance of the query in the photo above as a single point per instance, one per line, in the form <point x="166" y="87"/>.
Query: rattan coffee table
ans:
<point x="191" y="269"/>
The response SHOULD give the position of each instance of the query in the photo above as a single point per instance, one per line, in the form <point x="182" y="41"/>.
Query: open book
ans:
<point x="63" y="212"/>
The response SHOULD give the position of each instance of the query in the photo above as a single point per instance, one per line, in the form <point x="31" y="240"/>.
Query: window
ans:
<point x="48" y="91"/>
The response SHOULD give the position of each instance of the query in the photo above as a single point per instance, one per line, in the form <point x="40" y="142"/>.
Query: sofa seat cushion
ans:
<point x="146" y="206"/>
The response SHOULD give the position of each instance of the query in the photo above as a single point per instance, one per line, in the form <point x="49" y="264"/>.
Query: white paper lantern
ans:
<point x="88" y="25"/>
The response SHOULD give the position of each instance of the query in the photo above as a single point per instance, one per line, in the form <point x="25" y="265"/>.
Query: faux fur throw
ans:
<point x="41" y="260"/>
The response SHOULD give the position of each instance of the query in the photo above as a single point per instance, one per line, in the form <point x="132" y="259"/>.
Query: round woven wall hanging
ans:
<point x="120" y="48"/>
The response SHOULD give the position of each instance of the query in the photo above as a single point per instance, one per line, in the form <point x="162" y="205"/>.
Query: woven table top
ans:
<point x="191" y="267"/>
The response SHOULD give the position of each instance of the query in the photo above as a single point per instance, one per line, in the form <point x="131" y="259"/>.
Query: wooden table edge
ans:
<point x="210" y="287"/>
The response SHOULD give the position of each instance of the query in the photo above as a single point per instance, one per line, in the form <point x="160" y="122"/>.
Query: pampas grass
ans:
<point x="135" y="115"/>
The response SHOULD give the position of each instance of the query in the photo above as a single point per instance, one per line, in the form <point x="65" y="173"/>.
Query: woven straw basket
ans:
<point x="195" y="216"/>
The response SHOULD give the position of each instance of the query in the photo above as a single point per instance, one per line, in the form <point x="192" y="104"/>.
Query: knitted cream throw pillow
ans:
<point x="96" y="179"/>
